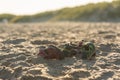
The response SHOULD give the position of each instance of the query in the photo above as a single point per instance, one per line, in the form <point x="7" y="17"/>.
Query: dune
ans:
<point x="19" y="44"/>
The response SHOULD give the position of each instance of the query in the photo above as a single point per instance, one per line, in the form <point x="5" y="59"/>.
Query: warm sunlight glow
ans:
<point x="35" y="6"/>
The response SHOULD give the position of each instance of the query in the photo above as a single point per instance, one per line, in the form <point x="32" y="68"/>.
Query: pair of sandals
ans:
<point x="86" y="49"/>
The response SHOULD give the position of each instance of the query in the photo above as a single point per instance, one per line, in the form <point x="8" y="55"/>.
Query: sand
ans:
<point x="19" y="44"/>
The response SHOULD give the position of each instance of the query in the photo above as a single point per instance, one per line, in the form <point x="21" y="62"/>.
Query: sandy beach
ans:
<point x="19" y="44"/>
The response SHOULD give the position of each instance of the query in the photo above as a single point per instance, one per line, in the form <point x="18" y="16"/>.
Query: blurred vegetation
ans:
<point x="6" y="16"/>
<point x="21" y="19"/>
<point x="103" y="11"/>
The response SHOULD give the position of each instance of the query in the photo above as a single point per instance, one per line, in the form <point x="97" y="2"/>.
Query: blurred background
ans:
<point x="17" y="11"/>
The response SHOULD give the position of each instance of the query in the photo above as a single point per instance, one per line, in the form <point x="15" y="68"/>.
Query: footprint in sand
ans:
<point x="32" y="77"/>
<point x="110" y="36"/>
<point x="6" y="73"/>
<point x="35" y="71"/>
<point x="109" y="47"/>
<point x="20" y="63"/>
<point x="114" y="58"/>
<point x="105" y="32"/>
<point x="39" y="42"/>
<point x="17" y="71"/>
<point x="11" y="55"/>
<point x="104" y="66"/>
<point x="16" y="58"/>
<point x="105" y="75"/>
<point x="56" y="72"/>
<point x="80" y="74"/>
<point x="117" y="62"/>
<point x="14" y="41"/>
<point x="18" y="46"/>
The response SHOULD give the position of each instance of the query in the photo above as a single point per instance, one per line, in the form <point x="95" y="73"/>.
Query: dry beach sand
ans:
<point x="19" y="44"/>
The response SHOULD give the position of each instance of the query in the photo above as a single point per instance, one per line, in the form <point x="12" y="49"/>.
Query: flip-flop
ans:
<point x="88" y="50"/>
<point x="68" y="50"/>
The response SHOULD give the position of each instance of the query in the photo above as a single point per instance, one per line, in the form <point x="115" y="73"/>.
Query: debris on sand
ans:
<point x="86" y="49"/>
